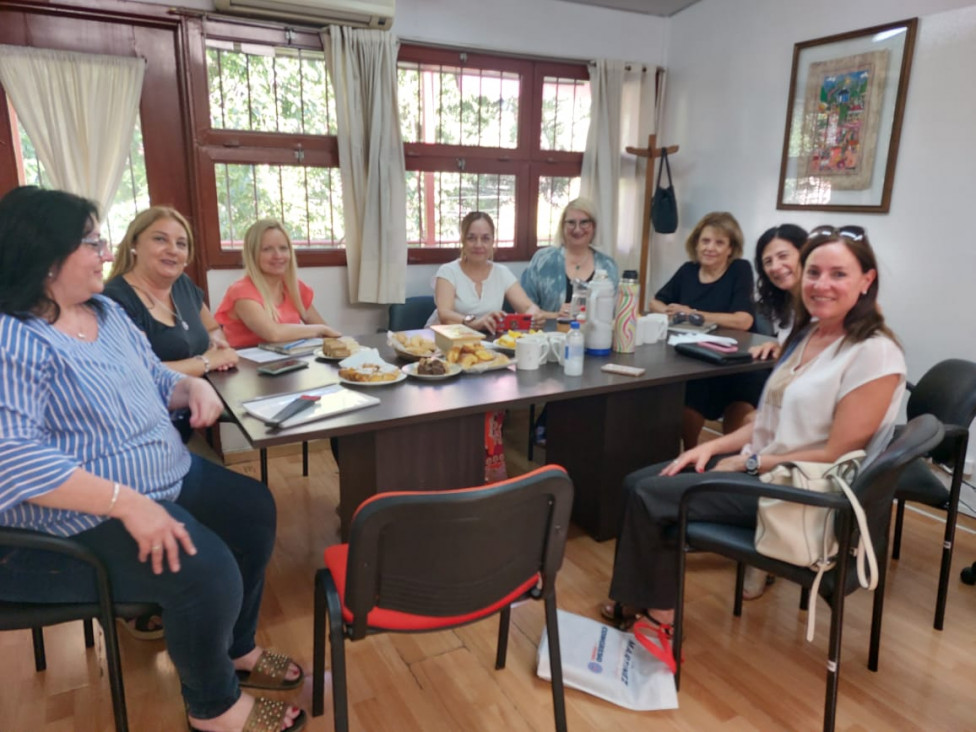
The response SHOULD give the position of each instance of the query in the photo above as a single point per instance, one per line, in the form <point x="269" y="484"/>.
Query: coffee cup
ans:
<point x="531" y="352"/>
<point x="652" y="328"/>
<point x="557" y="347"/>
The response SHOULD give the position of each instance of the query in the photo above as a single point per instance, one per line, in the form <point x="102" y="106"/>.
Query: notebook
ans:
<point x="689" y="328"/>
<point x="335" y="399"/>
<point x="301" y="347"/>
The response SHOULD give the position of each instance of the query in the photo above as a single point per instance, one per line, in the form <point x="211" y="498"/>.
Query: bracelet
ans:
<point x="206" y="363"/>
<point x="115" y="496"/>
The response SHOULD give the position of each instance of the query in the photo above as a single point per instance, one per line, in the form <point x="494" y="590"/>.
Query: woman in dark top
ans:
<point x="717" y="285"/>
<point x="148" y="281"/>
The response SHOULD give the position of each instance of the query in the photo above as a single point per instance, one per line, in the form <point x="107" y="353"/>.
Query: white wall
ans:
<point x="729" y="68"/>
<point x="535" y="27"/>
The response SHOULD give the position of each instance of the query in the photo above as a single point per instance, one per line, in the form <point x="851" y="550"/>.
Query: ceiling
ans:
<point x="661" y="8"/>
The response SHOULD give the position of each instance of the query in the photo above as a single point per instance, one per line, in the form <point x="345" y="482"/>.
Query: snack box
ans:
<point x="448" y="336"/>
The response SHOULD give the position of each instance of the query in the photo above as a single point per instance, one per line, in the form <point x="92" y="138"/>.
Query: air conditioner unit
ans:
<point x="361" y="13"/>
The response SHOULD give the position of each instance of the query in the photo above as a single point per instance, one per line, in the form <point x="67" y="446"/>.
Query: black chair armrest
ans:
<point x="766" y="490"/>
<point x="28" y="539"/>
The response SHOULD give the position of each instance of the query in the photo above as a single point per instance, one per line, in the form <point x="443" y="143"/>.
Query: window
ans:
<point x="131" y="197"/>
<point x="488" y="133"/>
<point x="269" y="150"/>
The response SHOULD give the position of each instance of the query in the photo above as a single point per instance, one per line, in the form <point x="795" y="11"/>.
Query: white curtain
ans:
<point x="79" y="111"/>
<point x="362" y="64"/>
<point x="626" y="105"/>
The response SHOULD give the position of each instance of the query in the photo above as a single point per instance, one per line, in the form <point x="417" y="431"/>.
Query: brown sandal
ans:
<point x="270" y="673"/>
<point x="268" y="715"/>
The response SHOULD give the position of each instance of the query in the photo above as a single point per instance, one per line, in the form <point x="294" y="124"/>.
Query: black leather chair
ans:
<point x="948" y="391"/>
<point x="412" y="313"/>
<point x="874" y="487"/>
<point x="19" y="616"/>
<point x="433" y="560"/>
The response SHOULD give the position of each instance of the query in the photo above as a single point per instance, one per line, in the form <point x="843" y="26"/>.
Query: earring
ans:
<point x="50" y="275"/>
<point x="133" y="250"/>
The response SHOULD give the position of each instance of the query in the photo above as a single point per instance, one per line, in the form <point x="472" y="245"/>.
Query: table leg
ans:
<point x="601" y="439"/>
<point x="440" y="455"/>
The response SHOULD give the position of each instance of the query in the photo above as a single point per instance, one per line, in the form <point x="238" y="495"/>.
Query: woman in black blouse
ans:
<point x="716" y="284"/>
<point x="148" y="281"/>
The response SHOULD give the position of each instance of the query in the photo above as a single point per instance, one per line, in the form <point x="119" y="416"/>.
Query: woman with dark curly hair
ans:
<point x="778" y="277"/>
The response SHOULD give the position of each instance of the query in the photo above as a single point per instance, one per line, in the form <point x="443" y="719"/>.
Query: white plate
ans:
<point x="489" y="366"/>
<point x="411" y="370"/>
<point x="351" y="344"/>
<point x="495" y="346"/>
<point x="399" y="377"/>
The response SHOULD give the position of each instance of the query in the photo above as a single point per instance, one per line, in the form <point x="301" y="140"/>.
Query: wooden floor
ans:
<point x="752" y="673"/>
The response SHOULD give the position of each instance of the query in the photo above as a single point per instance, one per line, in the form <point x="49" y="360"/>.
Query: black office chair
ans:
<point x="412" y="313"/>
<point x="433" y="560"/>
<point x="20" y="616"/>
<point x="874" y="487"/>
<point x="948" y="391"/>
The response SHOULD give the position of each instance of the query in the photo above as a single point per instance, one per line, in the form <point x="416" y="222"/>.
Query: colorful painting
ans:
<point x="841" y="108"/>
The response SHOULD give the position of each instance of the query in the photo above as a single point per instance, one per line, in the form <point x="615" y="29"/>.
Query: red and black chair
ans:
<point x="433" y="560"/>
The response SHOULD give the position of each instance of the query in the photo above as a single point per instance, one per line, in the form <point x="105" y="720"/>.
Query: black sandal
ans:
<point x="622" y="616"/>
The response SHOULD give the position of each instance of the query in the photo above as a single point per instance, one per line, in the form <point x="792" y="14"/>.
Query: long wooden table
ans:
<point x="429" y="435"/>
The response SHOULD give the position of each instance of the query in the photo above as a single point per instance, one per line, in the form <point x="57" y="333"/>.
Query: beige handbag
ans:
<point x="804" y="535"/>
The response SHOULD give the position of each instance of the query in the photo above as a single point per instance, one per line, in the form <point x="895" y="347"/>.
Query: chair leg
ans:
<point x="40" y="658"/>
<point x="877" y="614"/>
<point x="340" y="704"/>
<point x="86" y="624"/>
<point x="504" y="620"/>
<point x="952" y="515"/>
<point x="836" y="627"/>
<point x="555" y="663"/>
<point x="804" y="599"/>
<point x="304" y="459"/>
<point x="740" y="580"/>
<point x="899" y="522"/>
<point x="318" y="647"/>
<point x="531" y="447"/>
<point x="263" y="454"/>
<point x="114" y="664"/>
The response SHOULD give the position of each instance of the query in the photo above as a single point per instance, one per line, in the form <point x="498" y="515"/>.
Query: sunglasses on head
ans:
<point x="690" y="318"/>
<point x="853" y="233"/>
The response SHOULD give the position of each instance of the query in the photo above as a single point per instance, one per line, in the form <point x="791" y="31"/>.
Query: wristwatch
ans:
<point x="752" y="464"/>
<point x="468" y="319"/>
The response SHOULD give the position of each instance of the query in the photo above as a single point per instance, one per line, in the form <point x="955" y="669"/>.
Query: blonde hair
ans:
<point x="724" y="222"/>
<point x="125" y="260"/>
<point x="252" y="249"/>
<point x="577" y="204"/>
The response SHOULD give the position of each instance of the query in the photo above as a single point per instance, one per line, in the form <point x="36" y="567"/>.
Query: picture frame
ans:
<point x="843" y="119"/>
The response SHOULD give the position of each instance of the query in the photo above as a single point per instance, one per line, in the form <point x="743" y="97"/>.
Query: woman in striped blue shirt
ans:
<point x="87" y="451"/>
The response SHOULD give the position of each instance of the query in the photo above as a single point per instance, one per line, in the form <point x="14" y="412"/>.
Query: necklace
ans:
<point x="154" y="301"/>
<point x="579" y="264"/>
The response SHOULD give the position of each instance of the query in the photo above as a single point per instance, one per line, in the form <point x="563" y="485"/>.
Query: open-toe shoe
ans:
<point x="268" y="716"/>
<point x="271" y="673"/>
<point x="622" y="616"/>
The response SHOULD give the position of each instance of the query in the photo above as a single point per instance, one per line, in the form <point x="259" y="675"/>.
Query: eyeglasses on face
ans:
<point x="581" y="223"/>
<point x="853" y="233"/>
<point x="690" y="318"/>
<point x="98" y="243"/>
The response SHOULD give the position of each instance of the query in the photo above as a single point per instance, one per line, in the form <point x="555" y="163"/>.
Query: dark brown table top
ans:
<point x="414" y="401"/>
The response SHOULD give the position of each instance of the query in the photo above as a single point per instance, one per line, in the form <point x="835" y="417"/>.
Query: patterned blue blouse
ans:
<point x="67" y="404"/>
<point x="544" y="280"/>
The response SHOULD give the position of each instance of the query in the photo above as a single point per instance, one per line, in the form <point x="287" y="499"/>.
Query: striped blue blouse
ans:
<point x="67" y="404"/>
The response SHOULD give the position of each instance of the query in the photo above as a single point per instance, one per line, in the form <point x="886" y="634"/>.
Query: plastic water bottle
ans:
<point x="599" y="312"/>
<point x="573" y="360"/>
<point x="625" y="324"/>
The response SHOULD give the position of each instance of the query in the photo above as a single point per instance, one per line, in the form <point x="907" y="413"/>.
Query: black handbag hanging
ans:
<point x="664" y="205"/>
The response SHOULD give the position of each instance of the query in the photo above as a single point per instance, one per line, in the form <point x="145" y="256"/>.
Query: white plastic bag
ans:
<point x="610" y="664"/>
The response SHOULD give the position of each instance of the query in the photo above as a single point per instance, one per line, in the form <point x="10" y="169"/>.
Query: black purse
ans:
<point x="719" y="358"/>
<point x="664" y="205"/>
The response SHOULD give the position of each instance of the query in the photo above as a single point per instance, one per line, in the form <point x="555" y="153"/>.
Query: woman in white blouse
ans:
<point x="472" y="289"/>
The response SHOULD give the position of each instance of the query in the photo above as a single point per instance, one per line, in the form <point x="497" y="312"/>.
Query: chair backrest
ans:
<point x="947" y="390"/>
<point x="412" y="313"/>
<point x="447" y="553"/>
<point x="875" y="486"/>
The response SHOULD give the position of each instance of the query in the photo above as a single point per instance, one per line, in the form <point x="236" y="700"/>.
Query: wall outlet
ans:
<point x="967" y="467"/>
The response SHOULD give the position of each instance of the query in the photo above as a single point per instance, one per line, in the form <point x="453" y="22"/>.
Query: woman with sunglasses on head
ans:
<point x="84" y="403"/>
<point x="715" y="286"/>
<point x="778" y="282"/>
<point x="548" y="280"/>
<point x="837" y="387"/>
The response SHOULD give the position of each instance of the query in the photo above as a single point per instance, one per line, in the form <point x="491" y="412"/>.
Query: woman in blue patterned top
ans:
<point x="87" y="450"/>
<point x="548" y="280"/>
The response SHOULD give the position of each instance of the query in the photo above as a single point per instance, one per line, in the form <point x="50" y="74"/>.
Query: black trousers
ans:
<point x="645" y="565"/>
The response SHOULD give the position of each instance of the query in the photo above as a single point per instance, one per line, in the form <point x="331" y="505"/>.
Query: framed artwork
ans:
<point x="843" y="119"/>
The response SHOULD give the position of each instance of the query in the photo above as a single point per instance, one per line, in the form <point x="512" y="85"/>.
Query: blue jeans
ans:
<point x="209" y="608"/>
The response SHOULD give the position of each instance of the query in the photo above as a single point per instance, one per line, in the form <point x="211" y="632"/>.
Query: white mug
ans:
<point x="557" y="347"/>
<point x="652" y="328"/>
<point x="531" y="352"/>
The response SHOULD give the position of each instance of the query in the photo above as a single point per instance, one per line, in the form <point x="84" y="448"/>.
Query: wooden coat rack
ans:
<point x="651" y="152"/>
